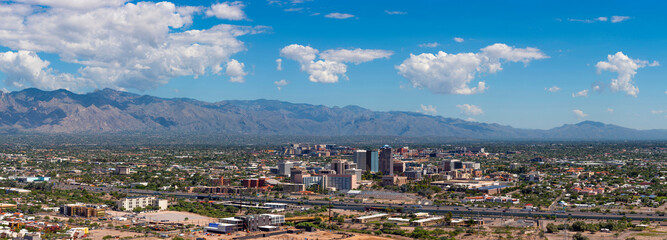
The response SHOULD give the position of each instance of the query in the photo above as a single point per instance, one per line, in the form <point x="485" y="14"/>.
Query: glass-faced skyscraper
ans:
<point x="372" y="160"/>
<point x="366" y="160"/>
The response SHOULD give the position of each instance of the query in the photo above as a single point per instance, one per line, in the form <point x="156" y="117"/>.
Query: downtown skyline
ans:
<point x="523" y="64"/>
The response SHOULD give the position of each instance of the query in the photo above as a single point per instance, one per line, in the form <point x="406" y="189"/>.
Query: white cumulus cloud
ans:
<point x="279" y="64"/>
<point x="132" y="45"/>
<point x="458" y="39"/>
<point x="227" y="11"/>
<point x="598" y="86"/>
<point x="610" y="110"/>
<point x="582" y="93"/>
<point x="626" y="68"/>
<point x="469" y="109"/>
<point x="75" y="4"/>
<point x="280" y="84"/>
<point x="579" y="114"/>
<point x="657" y="111"/>
<point x="395" y="12"/>
<point x="355" y="56"/>
<point x="332" y="62"/>
<point x="428" y="109"/>
<point x="598" y="19"/>
<point x="337" y="15"/>
<point x="553" y="89"/>
<point x="235" y="71"/>
<point x="299" y="53"/>
<point x="429" y="45"/>
<point x="445" y="73"/>
<point x="614" y="19"/>
<point x="617" y="19"/>
<point x="24" y="69"/>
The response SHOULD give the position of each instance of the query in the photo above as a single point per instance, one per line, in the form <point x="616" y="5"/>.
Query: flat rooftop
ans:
<point x="428" y="219"/>
<point x="373" y="216"/>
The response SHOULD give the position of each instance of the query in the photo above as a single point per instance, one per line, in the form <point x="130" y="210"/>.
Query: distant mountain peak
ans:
<point x="109" y="110"/>
<point x="592" y="123"/>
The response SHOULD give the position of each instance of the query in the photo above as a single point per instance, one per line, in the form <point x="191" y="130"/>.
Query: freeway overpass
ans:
<point x="458" y="210"/>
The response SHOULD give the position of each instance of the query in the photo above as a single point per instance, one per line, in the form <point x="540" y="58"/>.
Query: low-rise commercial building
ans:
<point x="492" y="190"/>
<point x="413" y="175"/>
<point x="394" y="180"/>
<point x="252" y="223"/>
<point x="312" y="180"/>
<point x="370" y="218"/>
<point x="464" y="184"/>
<point x="399" y="220"/>
<point x="294" y="187"/>
<point x="220" y="228"/>
<point x="427" y="221"/>
<point x="246" y="223"/>
<point x="487" y="198"/>
<point x="276" y="219"/>
<point x="33" y="179"/>
<point x="81" y="210"/>
<point x="253" y="182"/>
<point x="123" y="170"/>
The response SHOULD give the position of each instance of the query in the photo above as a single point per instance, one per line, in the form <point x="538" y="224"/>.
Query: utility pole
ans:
<point x="330" y="214"/>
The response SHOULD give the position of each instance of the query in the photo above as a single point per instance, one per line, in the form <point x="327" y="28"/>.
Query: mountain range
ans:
<point x="110" y="111"/>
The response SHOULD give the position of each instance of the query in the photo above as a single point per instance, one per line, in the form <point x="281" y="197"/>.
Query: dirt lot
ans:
<point x="98" y="234"/>
<point x="659" y="233"/>
<point x="321" y="235"/>
<point x="173" y="216"/>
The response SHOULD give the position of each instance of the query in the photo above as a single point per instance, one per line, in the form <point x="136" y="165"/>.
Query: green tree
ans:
<point x="552" y="228"/>
<point x="579" y="236"/>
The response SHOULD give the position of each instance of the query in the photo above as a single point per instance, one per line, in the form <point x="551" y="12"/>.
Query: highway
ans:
<point x="457" y="210"/>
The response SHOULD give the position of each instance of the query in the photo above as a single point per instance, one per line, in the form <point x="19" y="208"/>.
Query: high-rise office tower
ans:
<point x="366" y="160"/>
<point x="451" y="165"/>
<point x="284" y="168"/>
<point x="338" y="165"/>
<point x="372" y="161"/>
<point x="359" y="158"/>
<point x="386" y="163"/>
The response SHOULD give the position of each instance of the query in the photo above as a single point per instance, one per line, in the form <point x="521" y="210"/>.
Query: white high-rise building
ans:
<point x="130" y="203"/>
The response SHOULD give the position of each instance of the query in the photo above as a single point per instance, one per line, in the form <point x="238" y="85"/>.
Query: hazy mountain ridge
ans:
<point x="36" y="111"/>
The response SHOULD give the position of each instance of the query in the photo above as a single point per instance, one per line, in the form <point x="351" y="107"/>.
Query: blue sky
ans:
<point x="602" y="60"/>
